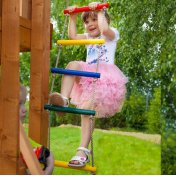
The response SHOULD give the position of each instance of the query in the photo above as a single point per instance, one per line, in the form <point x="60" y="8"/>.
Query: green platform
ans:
<point x="69" y="110"/>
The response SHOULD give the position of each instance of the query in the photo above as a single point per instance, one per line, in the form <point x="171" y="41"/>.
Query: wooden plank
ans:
<point x="25" y="34"/>
<point x="0" y="29"/>
<point x="39" y="75"/>
<point x="25" y="8"/>
<point x="28" y="154"/>
<point x="9" y="88"/>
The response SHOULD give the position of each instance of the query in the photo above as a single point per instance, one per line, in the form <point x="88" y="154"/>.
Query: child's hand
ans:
<point x="71" y="8"/>
<point x="93" y="5"/>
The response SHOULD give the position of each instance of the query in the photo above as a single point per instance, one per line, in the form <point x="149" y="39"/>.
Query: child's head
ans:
<point x="94" y="14"/>
<point x="90" y="20"/>
<point x="23" y="94"/>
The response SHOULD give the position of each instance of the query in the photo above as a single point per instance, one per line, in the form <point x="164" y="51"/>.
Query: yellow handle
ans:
<point x="81" y="42"/>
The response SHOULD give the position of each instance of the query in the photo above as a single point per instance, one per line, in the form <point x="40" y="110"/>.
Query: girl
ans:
<point x="110" y="88"/>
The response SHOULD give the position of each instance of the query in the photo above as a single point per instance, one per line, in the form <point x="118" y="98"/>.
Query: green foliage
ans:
<point x="134" y="109"/>
<point x="168" y="155"/>
<point x="167" y="31"/>
<point x="137" y="50"/>
<point x="25" y="69"/>
<point x="153" y="115"/>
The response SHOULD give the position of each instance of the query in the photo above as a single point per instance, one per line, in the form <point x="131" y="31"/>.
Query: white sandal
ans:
<point x="82" y="161"/>
<point x="58" y="99"/>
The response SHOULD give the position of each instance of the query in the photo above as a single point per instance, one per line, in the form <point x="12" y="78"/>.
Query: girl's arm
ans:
<point x="102" y="22"/>
<point x="72" y="33"/>
<point x="104" y="26"/>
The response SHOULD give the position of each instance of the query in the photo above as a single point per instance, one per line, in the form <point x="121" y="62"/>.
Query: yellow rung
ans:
<point x="65" y="165"/>
<point x="81" y="42"/>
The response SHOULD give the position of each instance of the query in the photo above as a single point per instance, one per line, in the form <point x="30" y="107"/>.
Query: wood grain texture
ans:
<point x="39" y="73"/>
<point x="9" y="88"/>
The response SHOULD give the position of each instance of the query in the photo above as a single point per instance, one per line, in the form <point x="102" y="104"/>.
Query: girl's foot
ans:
<point x="81" y="158"/>
<point x="58" y="100"/>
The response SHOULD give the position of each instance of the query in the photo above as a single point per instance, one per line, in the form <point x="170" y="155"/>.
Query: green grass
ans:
<point x="114" y="154"/>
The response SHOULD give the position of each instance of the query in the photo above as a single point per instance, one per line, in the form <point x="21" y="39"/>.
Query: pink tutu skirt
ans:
<point x="109" y="93"/>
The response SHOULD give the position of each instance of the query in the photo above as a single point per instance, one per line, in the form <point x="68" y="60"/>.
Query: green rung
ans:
<point x="69" y="110"/>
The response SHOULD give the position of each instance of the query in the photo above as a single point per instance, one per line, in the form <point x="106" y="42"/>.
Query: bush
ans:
<point x="134" y="111"/>
<point x="153" y="115"/>
<point x="168" y="155"/>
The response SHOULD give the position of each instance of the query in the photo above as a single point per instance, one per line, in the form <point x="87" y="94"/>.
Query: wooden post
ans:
<point x="0" y="32"/>
<point x="39" y="73"/>
<point x="9" y="88"/>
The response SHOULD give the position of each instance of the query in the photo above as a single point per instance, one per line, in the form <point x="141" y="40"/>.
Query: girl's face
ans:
<point x="91" y="26"/>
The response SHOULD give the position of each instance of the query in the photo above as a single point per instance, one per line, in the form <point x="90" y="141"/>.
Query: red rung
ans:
<point x="86" y="8"/>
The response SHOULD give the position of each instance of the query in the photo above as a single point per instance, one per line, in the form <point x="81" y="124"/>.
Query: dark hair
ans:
<point x="86" y="15"/>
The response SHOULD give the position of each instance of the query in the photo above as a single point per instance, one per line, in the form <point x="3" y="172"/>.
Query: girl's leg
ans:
<point x="85" y="137"/>
<point x="68" y="81"/>
<point x="85" y="133"/>
<point x="66" y="87"/>
<point x="86" y="126"/>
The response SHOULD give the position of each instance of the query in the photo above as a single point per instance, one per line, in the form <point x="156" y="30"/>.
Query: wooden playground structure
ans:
<point x="24" y="27"/>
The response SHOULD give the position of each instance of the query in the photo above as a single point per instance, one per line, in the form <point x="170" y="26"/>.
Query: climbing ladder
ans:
<point x="93" y="75"/>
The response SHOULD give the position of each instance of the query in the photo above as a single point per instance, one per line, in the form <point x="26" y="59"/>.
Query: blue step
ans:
<point x="75" y="72"/>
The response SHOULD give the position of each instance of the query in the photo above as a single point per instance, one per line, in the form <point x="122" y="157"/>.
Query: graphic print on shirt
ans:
<point x="95" y="52"/>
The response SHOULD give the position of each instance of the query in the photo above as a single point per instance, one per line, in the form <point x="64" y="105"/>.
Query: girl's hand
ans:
<point x="71" y="8"/>
<point x="93" y="5"/>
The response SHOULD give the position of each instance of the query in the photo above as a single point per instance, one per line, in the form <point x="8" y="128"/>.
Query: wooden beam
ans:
<point x="9" y="88"/>
<point x="25" y="8"/>
<point x="25" y="25"/>
<point x="28" y="154"/>
<point x="39" y="74"/>
<point x="0" y="30"/>
<point x="25" y="34"/>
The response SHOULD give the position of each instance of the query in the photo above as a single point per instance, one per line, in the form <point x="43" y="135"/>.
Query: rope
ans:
<point x="54" y="78"/>
<point x="59" y="52"/>
<point x="92" y="118"/>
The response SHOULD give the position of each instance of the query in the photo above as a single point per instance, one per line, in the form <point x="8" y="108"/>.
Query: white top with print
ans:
<point x="105" y="52"/>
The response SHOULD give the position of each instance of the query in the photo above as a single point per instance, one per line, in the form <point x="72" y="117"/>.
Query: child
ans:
<point x="22" y="110"/>
<point x="42" y="152"/>
<point x="110" y="88"/>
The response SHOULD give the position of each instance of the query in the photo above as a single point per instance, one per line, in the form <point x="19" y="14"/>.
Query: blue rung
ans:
<point x="69" y="110"/>
<point x="75" y="72"/>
